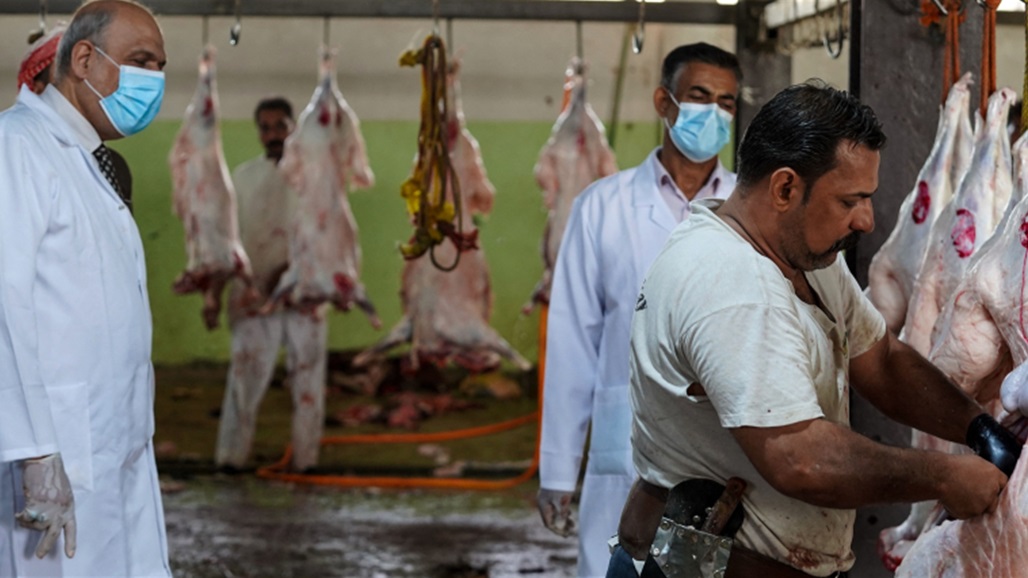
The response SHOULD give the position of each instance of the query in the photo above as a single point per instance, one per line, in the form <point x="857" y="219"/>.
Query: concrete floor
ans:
<point x="234" y="527"/>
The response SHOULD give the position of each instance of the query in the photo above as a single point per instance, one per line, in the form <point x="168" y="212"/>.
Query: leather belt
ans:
<point x="635" y="535"/>
<point x="744" y="563"/>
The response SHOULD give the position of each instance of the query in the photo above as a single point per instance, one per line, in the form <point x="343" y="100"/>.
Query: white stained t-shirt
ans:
<point x="714" y="311"/>
<point x="720" y="184"/>
<point x="266" y="206"/>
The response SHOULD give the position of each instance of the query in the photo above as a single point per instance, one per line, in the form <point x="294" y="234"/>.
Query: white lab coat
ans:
<point x="75" y="342"/>
<point x="616" y="229"/>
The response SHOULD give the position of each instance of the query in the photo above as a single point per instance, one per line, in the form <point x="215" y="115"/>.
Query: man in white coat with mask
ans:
<point x="79" y="494"/>
<point x="616" y="228"/>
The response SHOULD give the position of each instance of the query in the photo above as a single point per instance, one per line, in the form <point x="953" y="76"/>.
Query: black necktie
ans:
<point x="103" y="156"/>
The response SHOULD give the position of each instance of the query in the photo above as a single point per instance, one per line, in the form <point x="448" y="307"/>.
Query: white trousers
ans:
<point x="599" y="511"/>
<point x="255" y="345"/>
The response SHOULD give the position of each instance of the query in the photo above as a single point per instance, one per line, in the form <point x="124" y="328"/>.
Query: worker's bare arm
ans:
<point x="828" y="465"/>
<point x="909" y="389"/>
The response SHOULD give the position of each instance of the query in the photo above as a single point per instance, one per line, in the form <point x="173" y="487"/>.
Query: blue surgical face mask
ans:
<point x="701" y="130"/>
<point x="137" y="99"/>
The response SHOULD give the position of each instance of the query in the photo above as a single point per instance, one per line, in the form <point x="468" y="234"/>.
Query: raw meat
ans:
<point x="324" y="157"/>
<point x="964" y="224"/>
<point x="895" y="266"/>
<point x="202" y="192"/>
<point x="446" y="314"/>
<point x="575" y="155"/>
<point x="981" y="330"/>
<point x="990" y="546"/>
<point x="981" y="333"/>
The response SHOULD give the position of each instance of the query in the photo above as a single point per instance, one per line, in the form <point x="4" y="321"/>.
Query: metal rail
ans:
<point x="683" y="12"/>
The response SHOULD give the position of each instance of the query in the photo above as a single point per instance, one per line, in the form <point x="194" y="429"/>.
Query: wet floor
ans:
<point x="244" y="527"/>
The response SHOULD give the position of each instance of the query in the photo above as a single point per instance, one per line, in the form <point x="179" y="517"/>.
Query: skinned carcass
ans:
<point x="981" y="334"/>
<point x="575" y="155"/>
<point x="202" y="192"/>
<point x="964" y="224"/>
<point x="446" y="313"/>
<point x="323" y="159"/>
<point x="895" y="266"/>
<point x="981" y="331"/>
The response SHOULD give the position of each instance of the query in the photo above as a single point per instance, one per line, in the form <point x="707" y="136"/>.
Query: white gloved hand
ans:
<point x="1014" y="391"/>
<point x="555" y="508"/>
<point x="49" y="503"/>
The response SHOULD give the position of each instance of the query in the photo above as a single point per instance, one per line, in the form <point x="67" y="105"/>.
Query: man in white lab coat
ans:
<point x="76" y="382"/>
<point x="266" y="207"/>
<point x="617" y="227"/>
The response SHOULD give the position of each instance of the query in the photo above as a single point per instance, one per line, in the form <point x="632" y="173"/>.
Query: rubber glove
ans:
<point x="49" y="503"/>
<point x="992" y="442"/>
<point x="1014" y="391"/>
<point x="555" y="508"/>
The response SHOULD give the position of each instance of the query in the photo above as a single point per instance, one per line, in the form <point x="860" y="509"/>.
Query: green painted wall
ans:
<point x="510" y="235"/>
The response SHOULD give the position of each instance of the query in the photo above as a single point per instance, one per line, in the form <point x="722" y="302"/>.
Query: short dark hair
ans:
<point x="273" y="103"/>
<point x="698" y="52"/>
<point x="89" y="23"/>
<point x="801" y="128"/>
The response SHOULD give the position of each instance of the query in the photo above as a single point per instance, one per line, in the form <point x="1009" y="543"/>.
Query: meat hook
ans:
<point x="578" y="41"/>
<point x="237" y="28"/>
<point x="640" y="31"/>
<point x="435" y="17"/>
<point x="42" y="16"/>
<point x="938" y="4"/>
<point x="835" y="53"/>
<point x="449" y="38"/>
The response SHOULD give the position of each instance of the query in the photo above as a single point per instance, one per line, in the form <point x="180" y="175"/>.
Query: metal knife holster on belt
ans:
<point x="694" y="538"/>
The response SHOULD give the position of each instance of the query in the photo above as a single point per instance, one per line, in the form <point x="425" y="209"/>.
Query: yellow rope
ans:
<point x="432" y="193"/>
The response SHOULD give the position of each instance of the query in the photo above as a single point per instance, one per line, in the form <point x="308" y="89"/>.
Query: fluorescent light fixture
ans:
<point x="1011" y="6"/>
<point x="734" y="2"/>
<point x="651" y="1"/>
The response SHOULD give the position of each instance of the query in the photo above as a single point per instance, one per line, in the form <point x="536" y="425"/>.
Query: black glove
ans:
<point x="992" y="442"/>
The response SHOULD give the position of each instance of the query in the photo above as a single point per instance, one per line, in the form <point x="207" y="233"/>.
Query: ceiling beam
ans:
<point x="685" y="12"/>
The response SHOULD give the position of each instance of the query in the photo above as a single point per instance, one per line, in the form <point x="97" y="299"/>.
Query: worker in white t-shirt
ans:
<point x="266" y="206"/>
<point x="747" y="337"/>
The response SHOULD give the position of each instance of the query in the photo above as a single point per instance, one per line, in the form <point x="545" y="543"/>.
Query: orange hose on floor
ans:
<point x="279" y="470"/>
